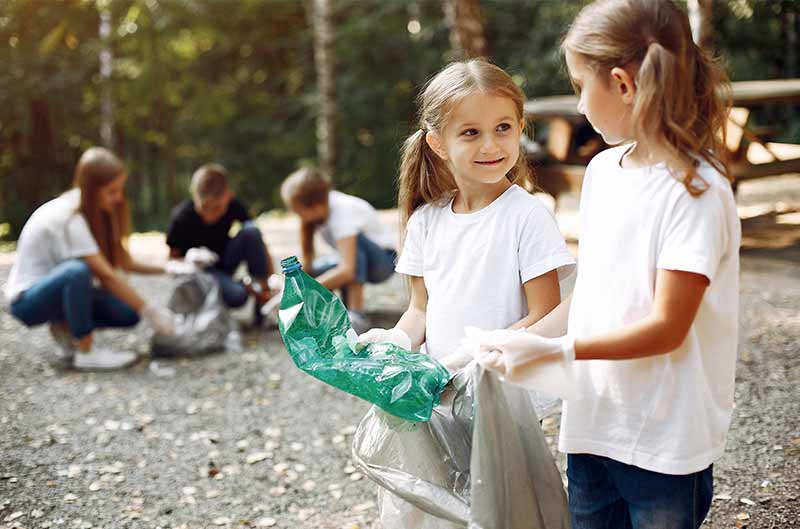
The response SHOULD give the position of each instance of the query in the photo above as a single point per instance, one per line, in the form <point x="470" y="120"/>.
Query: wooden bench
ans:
<point x="560" y="169"/>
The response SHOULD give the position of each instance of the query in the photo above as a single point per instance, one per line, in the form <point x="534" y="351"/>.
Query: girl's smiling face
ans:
<point x="606" y="103"/>
<point x="480" y="140"/>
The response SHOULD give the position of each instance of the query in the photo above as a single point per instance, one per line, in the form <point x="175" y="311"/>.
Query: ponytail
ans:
<point x="424" y="177"/>
<point x="678" y="110"/>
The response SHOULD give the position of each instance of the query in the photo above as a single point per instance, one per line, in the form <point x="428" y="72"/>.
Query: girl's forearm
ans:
<point x="554" y="324"/>
<point x="535" y="315"/>
<point x="678" y="295"/>
<point x="336" y="278"/>
<point x="650" y="336"/>
<point x="412" y="322"/>
<point x="123" y="291"/>
<point x="142" y="268"/>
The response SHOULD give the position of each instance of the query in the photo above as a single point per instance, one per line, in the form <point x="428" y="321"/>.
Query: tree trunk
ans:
<point x="106" y="63"/>
<point x="463" y="19"/>
<point x="700" y="12"/>
<point x="325" y="62"/>
<point x="790" y="30"/>
<point x="42" y="157"/>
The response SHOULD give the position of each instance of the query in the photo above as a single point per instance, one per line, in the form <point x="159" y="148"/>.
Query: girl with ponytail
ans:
<point x="478" y="248"/>
<point x="651" y="327"/>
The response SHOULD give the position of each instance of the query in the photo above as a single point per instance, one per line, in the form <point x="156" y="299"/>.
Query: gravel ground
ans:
<point x="247" y="440"/>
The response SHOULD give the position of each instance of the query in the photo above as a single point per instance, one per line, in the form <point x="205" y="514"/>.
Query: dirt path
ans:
<point x="249" y="441"/>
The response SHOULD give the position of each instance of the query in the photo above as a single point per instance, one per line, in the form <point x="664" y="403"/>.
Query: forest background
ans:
<point x="262" y="86"/>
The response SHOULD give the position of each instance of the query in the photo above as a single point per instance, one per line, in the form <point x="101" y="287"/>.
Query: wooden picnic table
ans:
<point x="752" y="155"/>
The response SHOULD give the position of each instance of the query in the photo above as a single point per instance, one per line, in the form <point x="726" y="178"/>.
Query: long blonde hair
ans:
<point x="426" y="178"/>
<point x="682" y="94"/>
<point x="97" y="168"/>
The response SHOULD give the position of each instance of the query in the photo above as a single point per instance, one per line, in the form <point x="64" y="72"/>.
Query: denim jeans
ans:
<point x="607" y="494"/>
<point x="374" y="264"/>
<point x="66" y="293"/>
<point x="246" y="246"/>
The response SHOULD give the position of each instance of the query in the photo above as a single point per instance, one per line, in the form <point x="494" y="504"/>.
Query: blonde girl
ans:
<point x="67" y="244"/>
<point x="652" y="323"/>
<point x="479" y="250"/>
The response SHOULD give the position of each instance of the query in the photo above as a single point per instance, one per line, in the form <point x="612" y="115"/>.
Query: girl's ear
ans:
<point x="623" y="84"/>
<point x="434" y="141"/>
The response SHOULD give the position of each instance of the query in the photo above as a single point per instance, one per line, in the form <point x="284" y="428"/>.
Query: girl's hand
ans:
<point x="393" y="336"/>
<point x="201" y="257"/>
<point x="516" y="348"/>
<point x="177" y="268"/>
<point x="161" y="319"/>
<point x="460" y="358"/>
<point x="493" y="361"/>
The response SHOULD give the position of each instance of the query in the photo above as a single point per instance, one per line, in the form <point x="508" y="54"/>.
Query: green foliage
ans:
<point x="234" y="82"/>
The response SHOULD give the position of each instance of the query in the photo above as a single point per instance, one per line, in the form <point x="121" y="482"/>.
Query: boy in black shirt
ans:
<point x="204" y="222"/>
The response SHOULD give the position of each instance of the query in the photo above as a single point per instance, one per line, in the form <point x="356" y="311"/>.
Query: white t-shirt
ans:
<point x="668" y="413"/>
<point x="349" y="216"/>
<point x="474" y="264"/>
<point x="55" y="232"/>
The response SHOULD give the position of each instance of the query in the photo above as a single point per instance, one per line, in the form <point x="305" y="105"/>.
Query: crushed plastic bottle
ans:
<point x="315" y="328"/>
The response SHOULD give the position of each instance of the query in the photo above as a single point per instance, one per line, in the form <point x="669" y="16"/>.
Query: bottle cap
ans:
<point x="290" y="264"/>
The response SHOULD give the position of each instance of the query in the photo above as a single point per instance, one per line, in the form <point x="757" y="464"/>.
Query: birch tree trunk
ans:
<point x="700" y="12"/>
<point x="325" y="63"/>
<point x="106" y="64"/>
<point x="463" y="18"/>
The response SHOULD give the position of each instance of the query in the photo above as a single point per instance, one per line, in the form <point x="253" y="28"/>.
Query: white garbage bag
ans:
<point x="481" y="462"/>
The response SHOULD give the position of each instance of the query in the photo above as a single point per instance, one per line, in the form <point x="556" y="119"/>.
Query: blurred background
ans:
<point x="261" y="85"/>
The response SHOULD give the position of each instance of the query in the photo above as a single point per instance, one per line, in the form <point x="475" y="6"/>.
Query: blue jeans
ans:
<point x="374" y="264"/>
<point x="607" y="494"/>
<point x="66" y="293"/>
<point x="246" y="246"/>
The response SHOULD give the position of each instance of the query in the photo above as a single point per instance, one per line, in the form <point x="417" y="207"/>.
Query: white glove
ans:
<point x="394" y="336"/>
<point x="162" y="319"/>
<point x="201" y="257"/>
<point x="505" y="351"/>
<point x="527" y="360"/>
<point x="458" y="359"/>
<point x="177" y="268"/>
<point x="275" y="282"/>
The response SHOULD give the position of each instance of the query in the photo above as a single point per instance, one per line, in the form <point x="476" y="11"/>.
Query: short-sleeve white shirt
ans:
<point x="474" y="265"/>
<point x="55" y="232"/>
<point x="350" y="216"/>
<point x="668" y="413"/>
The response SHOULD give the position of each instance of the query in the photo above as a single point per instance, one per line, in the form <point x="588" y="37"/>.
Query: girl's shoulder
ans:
<point x="608" y="157"/>
<point x="432" y="209"/>
<point x="523" y="203"/>
<point x="718" y="191"/>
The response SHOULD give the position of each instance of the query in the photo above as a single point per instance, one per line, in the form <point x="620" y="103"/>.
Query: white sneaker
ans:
<point x="62" y="357"/>
<point x="102" y="359"/>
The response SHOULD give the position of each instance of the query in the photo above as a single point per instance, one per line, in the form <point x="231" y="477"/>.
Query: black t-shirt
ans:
<point x="187" y="230"/>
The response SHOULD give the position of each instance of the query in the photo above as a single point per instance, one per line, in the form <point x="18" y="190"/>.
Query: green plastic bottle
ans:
<point x="314" y="326"/>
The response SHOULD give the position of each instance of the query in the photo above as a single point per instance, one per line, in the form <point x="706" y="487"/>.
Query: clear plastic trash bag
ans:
<point x="480" y="462"/>
<point x="203" y="324"/>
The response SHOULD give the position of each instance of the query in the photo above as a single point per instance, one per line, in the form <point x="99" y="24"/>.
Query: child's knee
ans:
<point x="77" y="271"/>
<point x="251" y="233"/>
<point x="235" y="298"/>
<point x="129" y="318"/>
